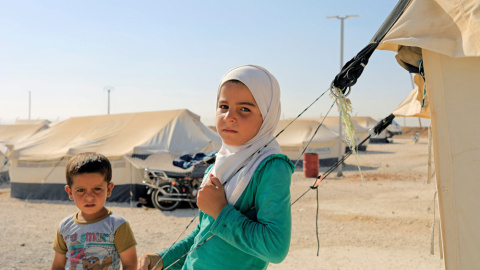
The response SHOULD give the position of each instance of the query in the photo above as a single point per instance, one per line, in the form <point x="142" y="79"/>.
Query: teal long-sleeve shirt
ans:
<point x="249" y="235"/>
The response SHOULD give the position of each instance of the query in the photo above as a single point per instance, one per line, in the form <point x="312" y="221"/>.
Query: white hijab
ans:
<point x="240" y="162"/>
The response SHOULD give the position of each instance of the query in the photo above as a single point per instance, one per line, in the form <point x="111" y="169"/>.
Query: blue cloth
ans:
<point x="187" y="161"/>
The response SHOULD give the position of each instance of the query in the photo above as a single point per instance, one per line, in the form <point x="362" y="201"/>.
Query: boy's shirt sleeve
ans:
<point x="179" y="249"/>
<point x="59" y="244"/>
<point x="267" y="238"/>
<point x="124" y="238"/>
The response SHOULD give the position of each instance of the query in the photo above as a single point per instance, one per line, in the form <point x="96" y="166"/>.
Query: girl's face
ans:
<point x="238" y="117"/>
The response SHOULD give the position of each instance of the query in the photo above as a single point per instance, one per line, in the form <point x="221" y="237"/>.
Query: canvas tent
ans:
<point x="441" y="41"/>
<point x="9" y="136"/>
<point x="448" y="33"/>
<point x="332" y="122"/>
<point x="369" y="123"/>
<point x="296" y="137"/>
<point x="132" y="142"/>
<point x="32" y="122"/>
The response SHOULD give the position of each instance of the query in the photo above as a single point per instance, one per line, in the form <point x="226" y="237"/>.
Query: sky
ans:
<point x="58" y="58"/>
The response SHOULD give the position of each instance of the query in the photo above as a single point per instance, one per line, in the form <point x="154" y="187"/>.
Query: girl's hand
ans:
<point x="148" y="261"/>
<point x="211" y="197"/>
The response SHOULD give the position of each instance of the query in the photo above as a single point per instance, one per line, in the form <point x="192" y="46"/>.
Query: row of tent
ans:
<point x="37" y="152"/>
<point x="320" y="135"/>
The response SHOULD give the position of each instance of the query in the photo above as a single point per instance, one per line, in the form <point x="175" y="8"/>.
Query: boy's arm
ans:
<point x="129" y="258"/>
<point x="60" y="248"/>
<point x="59" y="261"/>
<point x="125" y="244"/>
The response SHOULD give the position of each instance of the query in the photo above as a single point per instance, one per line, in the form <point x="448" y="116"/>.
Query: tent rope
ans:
<point x="315" y="133"/>
<point x="384" y="123"/>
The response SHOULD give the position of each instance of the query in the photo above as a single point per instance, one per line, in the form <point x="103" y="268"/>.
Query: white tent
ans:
<point x="9" y="136"/>
<point x="369" y="123"/>
<point x="448" y="35"/>
<point x="296" y="137"/>
<point x="332" y="123"/>
<point x="131" y="142"/>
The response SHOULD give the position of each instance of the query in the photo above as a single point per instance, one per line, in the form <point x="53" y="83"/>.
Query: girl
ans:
<point x="245" y="195"/>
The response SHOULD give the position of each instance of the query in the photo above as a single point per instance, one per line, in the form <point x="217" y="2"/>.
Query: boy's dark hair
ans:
<point x="88" y="162"/>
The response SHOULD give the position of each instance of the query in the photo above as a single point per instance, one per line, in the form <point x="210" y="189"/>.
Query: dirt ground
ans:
<point x="384" y="222"/>
<point x="408" y="132"/>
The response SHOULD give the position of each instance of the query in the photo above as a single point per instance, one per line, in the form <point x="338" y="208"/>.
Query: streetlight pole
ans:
<point x="29" y="104"/>
<point x="340" y="137"/>
<point x="108" y="89"/>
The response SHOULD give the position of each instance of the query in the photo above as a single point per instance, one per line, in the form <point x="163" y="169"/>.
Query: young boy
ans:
<point x="94" y="237"/>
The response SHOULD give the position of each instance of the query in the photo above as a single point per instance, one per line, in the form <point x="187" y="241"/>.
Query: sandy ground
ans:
<point x="383" y="223"/>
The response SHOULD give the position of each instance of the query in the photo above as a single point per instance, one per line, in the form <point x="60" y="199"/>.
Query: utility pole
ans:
<point x="340" y="137"/>
<point x="108" y="89"/>
<point x="29" y="105"/>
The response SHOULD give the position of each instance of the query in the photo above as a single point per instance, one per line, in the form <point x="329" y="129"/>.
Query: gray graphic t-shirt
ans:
<point x="91" y="245"/>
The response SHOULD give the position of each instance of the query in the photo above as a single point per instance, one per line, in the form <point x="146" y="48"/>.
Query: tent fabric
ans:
<point x="332" y="123"/>
<point x="445" y="27"/>
<point x="295" y="138"/>
<point x="453" y="86"/>
<point x="32" y="122"/>
<point x="164" y="162"/>
<point x="448" y="32"/>
<point x="132" y="142"/>
<point x="411" y="106"/>
<point x="11" y="134"/>
<point x="120" y="134"/>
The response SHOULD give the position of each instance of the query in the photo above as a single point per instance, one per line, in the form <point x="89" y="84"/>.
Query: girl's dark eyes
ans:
<point x="243" y="109"/>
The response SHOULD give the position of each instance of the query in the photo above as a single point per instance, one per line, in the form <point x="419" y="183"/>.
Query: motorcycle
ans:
<point x="167" y="192"/>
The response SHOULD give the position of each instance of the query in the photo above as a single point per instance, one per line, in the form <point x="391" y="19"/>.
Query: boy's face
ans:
<point x="238" y="117"/>
<point x="90" y="191"/>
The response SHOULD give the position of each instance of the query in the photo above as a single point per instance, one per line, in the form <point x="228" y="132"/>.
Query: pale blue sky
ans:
<point x="163" y="55"/>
